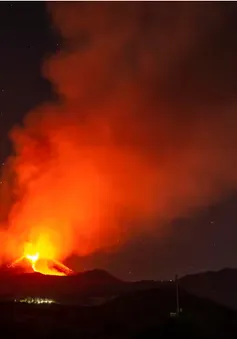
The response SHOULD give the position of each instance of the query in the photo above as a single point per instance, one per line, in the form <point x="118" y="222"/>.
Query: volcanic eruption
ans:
<point x="34" y="260"/>
<point x="129" y="141"/>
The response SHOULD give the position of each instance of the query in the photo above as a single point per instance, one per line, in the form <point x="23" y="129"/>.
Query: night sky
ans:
<point x="202" y="240"/>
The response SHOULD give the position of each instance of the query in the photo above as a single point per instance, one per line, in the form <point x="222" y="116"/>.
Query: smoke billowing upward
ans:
<point x="143" y="131"/>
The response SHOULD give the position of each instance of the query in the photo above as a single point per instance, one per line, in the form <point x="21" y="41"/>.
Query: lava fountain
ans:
<point x="35" y="256"/>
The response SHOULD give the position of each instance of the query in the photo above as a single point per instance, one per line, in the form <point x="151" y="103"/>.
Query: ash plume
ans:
<point x="144" y="129"/>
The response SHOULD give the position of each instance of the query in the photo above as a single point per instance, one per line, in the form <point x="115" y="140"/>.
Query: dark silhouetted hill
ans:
<point x="68" y="289"/>
<point x="128" y="309"/>
<point x="79" y="288"/>
<point x="218" y="286"/>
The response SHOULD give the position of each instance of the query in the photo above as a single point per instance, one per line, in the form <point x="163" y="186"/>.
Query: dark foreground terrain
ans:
<point x="142" y="314"/>
<point x="95" y="304"/>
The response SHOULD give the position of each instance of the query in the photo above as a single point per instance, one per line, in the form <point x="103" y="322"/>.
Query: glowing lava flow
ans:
<point x="41" y="264"/>
<point x="33" y="259"/>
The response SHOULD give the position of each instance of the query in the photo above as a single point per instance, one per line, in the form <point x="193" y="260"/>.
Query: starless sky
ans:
<point x="196" y="77"/>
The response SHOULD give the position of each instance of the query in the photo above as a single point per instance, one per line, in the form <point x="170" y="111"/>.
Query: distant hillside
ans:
<point x="81" y="288"/>
<point x="69" y="289"/>
<point x="97" y="276"/>
<point x="218" y="286"/>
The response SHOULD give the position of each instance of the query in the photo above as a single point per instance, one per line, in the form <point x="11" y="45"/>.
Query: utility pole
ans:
<point x="177" y="294"/>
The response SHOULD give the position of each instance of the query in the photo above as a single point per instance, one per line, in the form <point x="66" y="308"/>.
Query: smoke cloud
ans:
<point x="143" y="131"/>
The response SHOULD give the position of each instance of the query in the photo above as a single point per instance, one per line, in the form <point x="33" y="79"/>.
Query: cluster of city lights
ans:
<point x="37" y="300"/>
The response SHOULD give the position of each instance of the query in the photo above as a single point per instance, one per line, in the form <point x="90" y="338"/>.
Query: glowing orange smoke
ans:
<point x="119" y="152"/>
<point x="35" y="255"/>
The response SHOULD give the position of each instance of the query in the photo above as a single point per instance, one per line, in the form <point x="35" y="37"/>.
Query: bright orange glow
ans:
<point x="30" y="254"/>
<point x="33" y="258"/>
<point x="35" y="255"/>
<point x="100" y="163"/>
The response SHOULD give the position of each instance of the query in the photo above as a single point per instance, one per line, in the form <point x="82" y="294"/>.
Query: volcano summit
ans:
<point x="30" y="264"/>
<point x="38" y="258"/>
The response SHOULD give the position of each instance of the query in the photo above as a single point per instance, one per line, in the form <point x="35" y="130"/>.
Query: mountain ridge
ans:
<point x="218" y="286"/>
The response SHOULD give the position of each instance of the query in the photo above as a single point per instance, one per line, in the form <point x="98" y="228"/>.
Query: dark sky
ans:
<point x="203" y="241"/>
<point x="25" y="39"/>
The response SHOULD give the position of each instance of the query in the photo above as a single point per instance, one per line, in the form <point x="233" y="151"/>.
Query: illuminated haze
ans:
<point x="143" y="131"/>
